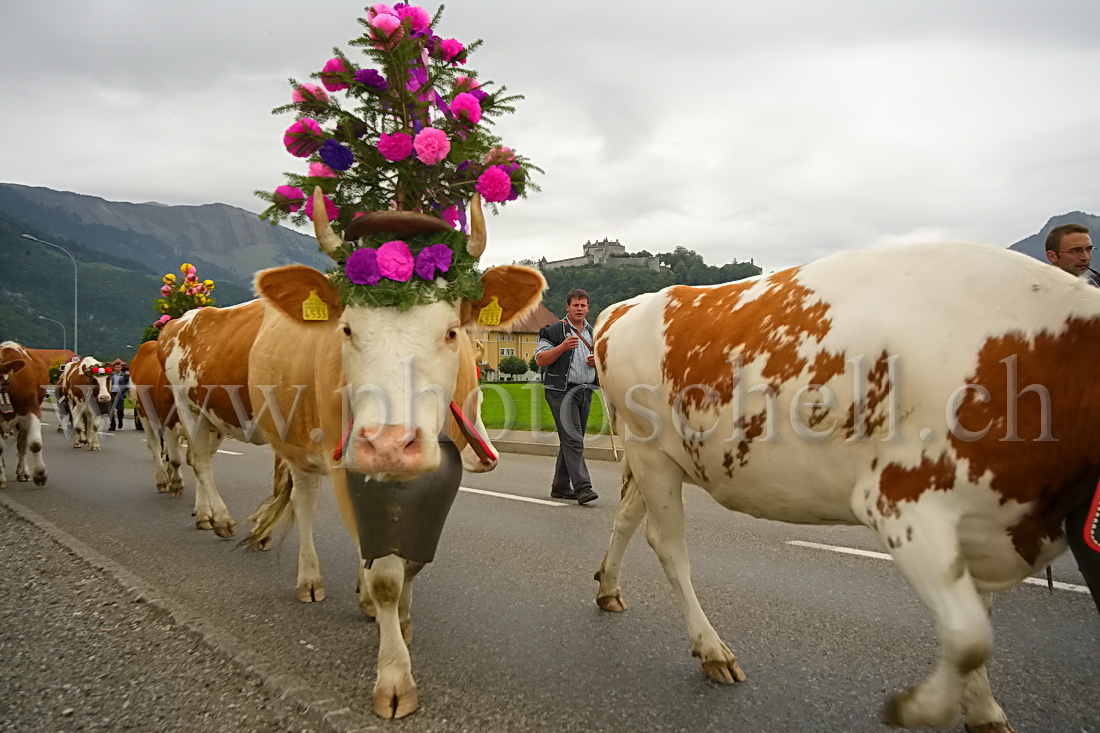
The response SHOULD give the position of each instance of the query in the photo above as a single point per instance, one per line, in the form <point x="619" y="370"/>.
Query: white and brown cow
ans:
<point x="85" y="386"/>
<point x="23" y="379"/>
<point x="359" y="352"/>
<point x="942" y="395"/>
<point x="155" y="406"/>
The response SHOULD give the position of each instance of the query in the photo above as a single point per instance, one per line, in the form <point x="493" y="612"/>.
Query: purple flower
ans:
<point x="336" y="156"/>
<point x="395" y="261"/>
<point x="372" y="79"/>
<point x="432" y="258"/>
<point x="480" y="95"/>
<point x="362" y="267"/>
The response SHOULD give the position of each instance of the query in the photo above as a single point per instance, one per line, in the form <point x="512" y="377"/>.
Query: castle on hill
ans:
<point x="603" y="253"/>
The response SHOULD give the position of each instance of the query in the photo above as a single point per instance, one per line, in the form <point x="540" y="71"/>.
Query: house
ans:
<point x="519" y="341"/>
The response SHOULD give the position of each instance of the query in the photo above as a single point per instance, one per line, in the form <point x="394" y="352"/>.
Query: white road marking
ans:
<point x="499" y="495"/>
<point x="230" y="452"/>
<point x="884" y="556"/>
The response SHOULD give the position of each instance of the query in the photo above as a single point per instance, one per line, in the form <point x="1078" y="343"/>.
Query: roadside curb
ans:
<point x="532" y="448"/>
<point x="292" y="689"/>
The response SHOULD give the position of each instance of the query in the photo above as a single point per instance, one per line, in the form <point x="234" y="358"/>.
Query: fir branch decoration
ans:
<point x="410" y="130"/>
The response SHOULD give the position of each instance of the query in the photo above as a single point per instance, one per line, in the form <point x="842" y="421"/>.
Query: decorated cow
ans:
<point x="938" y="394"/>
<point x="155" y="407"/>
<point x="85" y="387"/>
<point x="23" y="380"/>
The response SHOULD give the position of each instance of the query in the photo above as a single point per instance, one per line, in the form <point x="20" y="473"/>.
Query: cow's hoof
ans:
<point x="204" y="523"/>
<point x="395" y="700"/>
<point x="175" y="488"/>
<point x="726" y="672"/>
<point x="904" y="711"/>
<point x="40" y="478"/>
<point x="310" y="591"/>
<point x="162" y="487"/>
<point x="225" y="530"/>
<point x="613" y="603"/>
<point x="3" y="484"/>
<point x="22" y="476"/>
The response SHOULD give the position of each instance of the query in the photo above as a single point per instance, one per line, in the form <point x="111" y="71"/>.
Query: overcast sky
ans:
<point x="774" y="130"/>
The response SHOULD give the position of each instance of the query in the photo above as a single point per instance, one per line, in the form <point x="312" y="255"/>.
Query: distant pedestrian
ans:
<point x="120" y="386"/>
<point x="565" y="350"/>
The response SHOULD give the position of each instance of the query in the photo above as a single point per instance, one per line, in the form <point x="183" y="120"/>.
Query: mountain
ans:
<point x="122" y="250"/>
<point x="1035" y="245"/>
<point x="224" y="242"/>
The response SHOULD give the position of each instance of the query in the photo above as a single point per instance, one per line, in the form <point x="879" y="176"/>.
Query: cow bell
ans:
<point x="406" y="518"/>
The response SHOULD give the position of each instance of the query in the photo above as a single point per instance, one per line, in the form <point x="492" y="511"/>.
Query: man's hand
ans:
<point x="570" y="343"/>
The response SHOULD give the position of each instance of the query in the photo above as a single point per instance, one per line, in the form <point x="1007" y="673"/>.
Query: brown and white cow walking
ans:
<point x="942" y="395"/>
<point x="156" y="407"/>
<point x="85" y="386"/>
<point x="359" y="352"/>
<point x="23" y="379"/>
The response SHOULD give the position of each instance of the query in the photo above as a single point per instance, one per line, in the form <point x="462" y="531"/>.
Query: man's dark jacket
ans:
<point x="557" y="373"/>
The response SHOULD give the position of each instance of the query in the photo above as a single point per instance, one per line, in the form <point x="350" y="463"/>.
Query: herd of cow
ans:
<point x="939" y="394"/>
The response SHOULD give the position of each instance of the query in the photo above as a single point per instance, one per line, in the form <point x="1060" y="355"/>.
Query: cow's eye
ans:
<point x="452" y="334"/>
<point x="347" y="330"/>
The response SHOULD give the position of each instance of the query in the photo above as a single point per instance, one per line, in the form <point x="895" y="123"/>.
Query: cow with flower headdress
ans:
<point x="373" y="353"/>
<point x="85" y="387"/>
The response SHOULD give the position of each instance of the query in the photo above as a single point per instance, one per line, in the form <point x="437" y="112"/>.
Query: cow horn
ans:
<point x="322" y="229"/>
<point x="475" y="245"/>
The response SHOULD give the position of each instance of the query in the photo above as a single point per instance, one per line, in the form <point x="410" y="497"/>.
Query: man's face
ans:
<point x="577" y="310"/>
<point x="1074" y="254"/>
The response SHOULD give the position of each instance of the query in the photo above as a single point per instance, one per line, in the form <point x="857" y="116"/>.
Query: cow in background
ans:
<point x="23" y="379"/>
<point x="941" y="395"/>
<point x="342" y="360"/>
<point x="154" y="404"/>
<point x="85" y="386"/>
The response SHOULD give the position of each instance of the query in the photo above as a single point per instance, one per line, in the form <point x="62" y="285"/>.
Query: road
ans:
<point x="507" y="634"/>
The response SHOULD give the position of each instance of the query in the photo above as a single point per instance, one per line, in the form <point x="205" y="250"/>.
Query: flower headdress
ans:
<point x="176" y="298"/>
<point x="409" y="133"/>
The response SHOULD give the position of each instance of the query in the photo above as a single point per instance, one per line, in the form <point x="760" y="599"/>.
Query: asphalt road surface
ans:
<point x="507" y="633"/>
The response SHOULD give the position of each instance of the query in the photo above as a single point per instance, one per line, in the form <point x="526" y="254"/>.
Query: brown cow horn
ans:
<point x="475" y="245"/>
<point x="322" y="228"/>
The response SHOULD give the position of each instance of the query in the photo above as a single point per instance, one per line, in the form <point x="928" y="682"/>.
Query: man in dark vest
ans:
<point x="565" y="350"/>
<point x="1069" y="248"/>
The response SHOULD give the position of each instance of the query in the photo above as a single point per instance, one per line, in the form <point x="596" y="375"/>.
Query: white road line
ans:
<point x="229" y="452"/>
<point x="499" y="495"/>
<point x="884" y="556"/>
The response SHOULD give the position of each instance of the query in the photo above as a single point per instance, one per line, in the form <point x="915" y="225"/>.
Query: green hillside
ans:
<point x="115" y="294"/>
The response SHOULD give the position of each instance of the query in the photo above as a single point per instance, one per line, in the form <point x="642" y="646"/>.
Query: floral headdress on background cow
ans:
<point x="176" y="298"/>
<point x="394" y="159"/>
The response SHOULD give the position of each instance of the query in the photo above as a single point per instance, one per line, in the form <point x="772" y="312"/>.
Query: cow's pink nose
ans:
<point x="104" y="398"/>
<point x="389" y="448"/>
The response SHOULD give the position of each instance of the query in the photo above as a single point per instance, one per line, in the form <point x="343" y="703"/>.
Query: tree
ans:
<point x="512" y="365"/>
<point x="533" y="365"/>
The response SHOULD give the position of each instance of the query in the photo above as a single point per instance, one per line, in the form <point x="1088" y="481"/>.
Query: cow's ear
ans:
<point x="516" y="291"/>
<point x="11" y="367"/>
<point x="302" y="293"/>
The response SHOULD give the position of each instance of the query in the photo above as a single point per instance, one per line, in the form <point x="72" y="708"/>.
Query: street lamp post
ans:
<point x="76" y="345"/>
<point x="64" y="336"/>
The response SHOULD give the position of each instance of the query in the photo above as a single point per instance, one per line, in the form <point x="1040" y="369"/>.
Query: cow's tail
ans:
<point x="268" y="514"/>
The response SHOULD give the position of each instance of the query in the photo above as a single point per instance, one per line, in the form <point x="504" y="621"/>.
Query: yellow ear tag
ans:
<point x="490" y="314"/>
<point x="313" y="308"/>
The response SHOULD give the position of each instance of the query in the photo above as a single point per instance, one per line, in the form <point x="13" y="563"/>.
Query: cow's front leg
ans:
<point x="395" y="688"/>
<point x="927" y="553"/>
<point x="981" y="713"/>
<point x="152" y="443"/>
<point x="404" y="606"/>
<point x="30" y="437"/>
<point x="303" y="499"/>
<point x="660" y="480"/>
<point x="629" y="515"/>
<point x="210" y="509"/>
<point x="21" y="472"/>
<point x="173" y="462"/>
<point x="91" y="429"/>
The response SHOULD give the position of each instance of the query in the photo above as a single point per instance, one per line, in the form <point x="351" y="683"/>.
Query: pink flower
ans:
<point x="162" y="320"/>
<point x="303" y="138"/>
<point x="494" y="185"/>
<point x="450" y="215"/>
<point x="418" y="17"/>
<point x="500" y="155"/>
<point x="466" y="105"/>
<point x="320" y="170"/>
<point x="466" y="84"/>
<point x="330" y="208"/>
<point x="450" y="49"/>
<point x="395" y="261"/>
<point x="289" y="198"/>
<point x="330" y="74"/>
<point x="378" y="9"/>
<point x="394" y="147"/>
<point x="310" y="93"/>
<point x="431" y="145"/>
<point x="166" y="290"/>
<point x="386" y="29"/>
